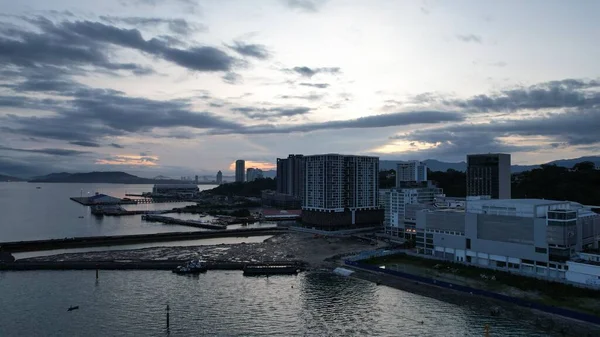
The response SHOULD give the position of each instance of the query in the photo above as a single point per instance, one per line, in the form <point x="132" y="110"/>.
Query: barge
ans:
<point x="271" y="269"/>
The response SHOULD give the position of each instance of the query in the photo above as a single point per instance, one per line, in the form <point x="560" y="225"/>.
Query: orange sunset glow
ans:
<point x="255" y="164"/>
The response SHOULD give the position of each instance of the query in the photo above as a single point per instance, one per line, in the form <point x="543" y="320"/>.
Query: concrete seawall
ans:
<point x="132" y="265"/>
<point x="96" y="241"/>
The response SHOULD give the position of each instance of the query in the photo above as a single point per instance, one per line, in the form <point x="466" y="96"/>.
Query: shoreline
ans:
<point x="115" y="240"/>
<point x="542" y="320"/>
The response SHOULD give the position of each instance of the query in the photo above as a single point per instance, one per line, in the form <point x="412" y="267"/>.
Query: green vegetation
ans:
<point x="246" y="189"/>
<point x="552" y="293"/>
<point x="578" y="184"/>
<point x="387" y="179"/>
<point x="548" y="182"/>
<point x="453" y="182"/>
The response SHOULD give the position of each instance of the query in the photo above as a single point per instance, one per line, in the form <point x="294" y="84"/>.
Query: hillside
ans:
<point x="440" y="166"/>
<point x="4" y="178"/>
<point x="580" y="183"/>
<point x="100" y="177"/>
<point x="247" y="189"/>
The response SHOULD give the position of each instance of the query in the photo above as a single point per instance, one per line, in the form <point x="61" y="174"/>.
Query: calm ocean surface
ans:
<point x="218" y="303"/>
<point x="28" y="213"/>
<point x="225" y="303"/>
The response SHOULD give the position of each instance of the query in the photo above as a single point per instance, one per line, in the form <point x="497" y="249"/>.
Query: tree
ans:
<point x="584" y="166"/>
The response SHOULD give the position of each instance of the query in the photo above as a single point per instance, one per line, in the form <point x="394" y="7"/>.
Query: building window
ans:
<point x="469" y="244"/>
<point x="541" y="250"/>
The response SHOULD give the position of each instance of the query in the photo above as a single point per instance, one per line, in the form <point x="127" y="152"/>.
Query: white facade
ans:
<point x="398" y="200"/>
<point x="334" y="182"/>
<point x="411" y="171"/>
<point x="585" y="269"/>
<point x="529" y="208"/>
<point x="532" y="237"/>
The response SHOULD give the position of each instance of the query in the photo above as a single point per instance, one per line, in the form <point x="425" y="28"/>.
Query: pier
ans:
<point x="189" y="223"/>
<point x="99" y="241"/>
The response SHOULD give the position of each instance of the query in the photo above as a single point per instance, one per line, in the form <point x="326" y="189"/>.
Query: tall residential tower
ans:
<point x="411" y="171"/>
<point x="489" y="174"/>
<point x="341" y="192"/>
<point x="240" y="170"/>
<point x="290" y="175"/>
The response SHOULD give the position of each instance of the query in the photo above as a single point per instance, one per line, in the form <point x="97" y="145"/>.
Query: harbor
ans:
<point x="189" y="223"/>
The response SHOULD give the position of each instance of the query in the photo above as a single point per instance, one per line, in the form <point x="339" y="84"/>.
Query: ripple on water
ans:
<point x="225" y="303"/>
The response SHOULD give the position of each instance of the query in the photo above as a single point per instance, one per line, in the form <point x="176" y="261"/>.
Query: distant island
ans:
<point x="4" y="178"/>
<point x="105" y="177"/>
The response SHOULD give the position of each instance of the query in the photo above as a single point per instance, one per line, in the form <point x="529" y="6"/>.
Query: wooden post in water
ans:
<point x="487" y="330"/>
<point x="168" y="316"/>
<point x="96" y="273"/>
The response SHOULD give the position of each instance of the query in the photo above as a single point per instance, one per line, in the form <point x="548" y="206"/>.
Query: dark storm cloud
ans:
<point x="469" y="38"/>
<point x="87" y="43"/>
<point x="316" y="85"/>
<point x="85" y="144"/>
<point x="177" y="26"/>
<point x="91" y="114"/>
<point x="564" y="94"/>
<point x="572" y="128"/>
<point x="265" y="113"/>
<point x="376" y="121"/>
<point x="202" y="58"/>
<point x="27" y="49"/>
<point x="310" y="72"/>
<point x="258" y="51"/>
<point x="53" y="152"/>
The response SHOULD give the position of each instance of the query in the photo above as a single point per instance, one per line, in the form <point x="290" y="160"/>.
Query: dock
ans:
<point x="189" y="223"/>
<point x="115" y="240"/>
<point x="87" y="201"/>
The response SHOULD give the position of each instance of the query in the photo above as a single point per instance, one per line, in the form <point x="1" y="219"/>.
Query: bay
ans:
<point x="225" y="303"/>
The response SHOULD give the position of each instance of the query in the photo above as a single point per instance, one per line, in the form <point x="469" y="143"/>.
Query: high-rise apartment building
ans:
<point x="290" y="175"/>
<point x="219" y="178"/>
<point x="341" y="192"/>
<point x="240" y="170"/>
<point x="411" y="171"/>
<point x="489" y="174"/>
<point x="253" y="174"/>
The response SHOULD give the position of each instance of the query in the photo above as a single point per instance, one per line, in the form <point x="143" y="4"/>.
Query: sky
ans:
<point x="185" y="87"/>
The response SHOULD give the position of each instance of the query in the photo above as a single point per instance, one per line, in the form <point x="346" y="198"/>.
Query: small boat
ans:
<point x="38" y="188"/>
<point x="81" y="217"/>
<point x="192" y="267"/>
<point x="71" y="308"/>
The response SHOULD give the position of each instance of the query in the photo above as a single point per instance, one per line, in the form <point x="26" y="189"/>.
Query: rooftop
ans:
<point x="511" y="202"/>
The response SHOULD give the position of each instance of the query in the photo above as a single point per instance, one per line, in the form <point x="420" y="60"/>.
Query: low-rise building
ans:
<point x="584" y="268"/>
<point x="527" y="236"/>
<point x="175" y="190"/>
<point x="280" y="200"/>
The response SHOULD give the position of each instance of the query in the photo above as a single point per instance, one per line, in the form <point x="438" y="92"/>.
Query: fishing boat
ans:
<point x="192" y="267"/>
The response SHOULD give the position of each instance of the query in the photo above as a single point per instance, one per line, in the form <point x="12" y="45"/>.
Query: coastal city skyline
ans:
<point x="138" y="86"/>
<point x="299" y="167"/>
